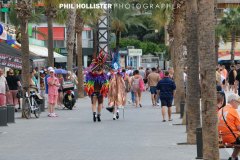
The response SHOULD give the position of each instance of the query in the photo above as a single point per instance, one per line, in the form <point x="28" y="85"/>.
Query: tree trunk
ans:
<point x="24" y="12"/>
<point x="80" y="65"/>
<point x="117" y="39"/>
<point x="70" y="23"/>
<point x="233" y="37"/>
<point x="193" y="87"/>
<point x="217" y="41"/>
<point x="25" y="58"/>
<point x="206" y="39"/>
<point x="179" y="50"/>
<point x="50" y="41"/>
<point x="79" y="25"/>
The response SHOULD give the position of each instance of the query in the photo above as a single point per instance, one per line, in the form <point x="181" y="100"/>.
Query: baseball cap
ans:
<point x="50" y="68"/>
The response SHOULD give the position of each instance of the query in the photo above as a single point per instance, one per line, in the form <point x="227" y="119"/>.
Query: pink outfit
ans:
<point x="2" y="99"/>
<point x="52" y="90"/>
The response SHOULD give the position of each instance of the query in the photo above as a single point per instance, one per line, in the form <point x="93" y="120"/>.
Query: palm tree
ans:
<point x="87" y="16"/>
<point x="24" y="11"/>
<point x="179" y="50"/>
<point x="193" y="87"/>
<point x="70" y="24"/>
<point x="206" y="39"/>
<point x="231" y="21"/>
<point x="120" y="19"/>
<point x="50" y="12"/>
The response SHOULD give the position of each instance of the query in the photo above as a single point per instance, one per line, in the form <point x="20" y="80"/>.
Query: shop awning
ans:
<point x="43" y="52"/>
<point x="11" y="57"/>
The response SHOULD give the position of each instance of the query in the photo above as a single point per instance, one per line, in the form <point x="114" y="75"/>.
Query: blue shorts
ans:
<point x="166" y="102"/>
<point x="153" y="90"/>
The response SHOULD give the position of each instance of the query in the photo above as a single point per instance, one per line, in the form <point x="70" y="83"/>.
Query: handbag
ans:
<point x="141" y="85"/>
<point x="19" y="94"/>
<point x="237" y="138"/>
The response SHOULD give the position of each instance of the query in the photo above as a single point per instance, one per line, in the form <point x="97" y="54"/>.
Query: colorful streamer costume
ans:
<point x="97" y="80"/>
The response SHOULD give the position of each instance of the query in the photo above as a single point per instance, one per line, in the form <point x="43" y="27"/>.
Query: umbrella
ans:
<point x="60" y="71"/>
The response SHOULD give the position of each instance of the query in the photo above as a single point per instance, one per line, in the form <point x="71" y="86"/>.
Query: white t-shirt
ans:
<point x="3" y="83"/>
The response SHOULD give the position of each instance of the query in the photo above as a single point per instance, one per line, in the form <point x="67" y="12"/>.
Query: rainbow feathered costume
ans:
<point x="91" y="78"/>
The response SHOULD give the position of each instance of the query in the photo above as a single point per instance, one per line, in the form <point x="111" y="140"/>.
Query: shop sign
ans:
<point x="10" y="61"/>
<point x="134" y="52"/>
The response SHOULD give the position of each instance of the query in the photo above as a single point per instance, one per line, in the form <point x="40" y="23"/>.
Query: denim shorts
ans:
<point x="153" y="90"/>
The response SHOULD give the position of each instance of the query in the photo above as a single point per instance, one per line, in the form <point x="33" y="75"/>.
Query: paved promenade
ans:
<point x="73" y="136"/>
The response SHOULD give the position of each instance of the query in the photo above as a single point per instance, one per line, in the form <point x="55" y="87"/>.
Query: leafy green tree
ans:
<point x="231" y="22"/>
<point x="120" y="19"/>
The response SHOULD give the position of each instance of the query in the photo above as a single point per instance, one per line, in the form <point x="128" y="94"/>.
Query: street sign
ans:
<point x="134" y="52"/>
<point x="4" y="9"/>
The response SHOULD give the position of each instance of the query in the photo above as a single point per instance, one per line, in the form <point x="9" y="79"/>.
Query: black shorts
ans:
<point x="99" y="97"/>
<point x="223" y="82"/>
<point x="167" y="102"/>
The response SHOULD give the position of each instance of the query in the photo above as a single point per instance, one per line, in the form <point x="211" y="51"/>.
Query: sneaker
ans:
<point x="49" y="114"/>
<point x="54" y="115"/>
<point x="164" y="120"/>
<point x="114" y="117"/>
<point x="117" y="115"/>
<point x="158" y="104"/>
<point x="99" y="118"/>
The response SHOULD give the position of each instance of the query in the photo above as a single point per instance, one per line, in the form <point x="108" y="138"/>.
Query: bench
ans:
<point x="225" y="145"/>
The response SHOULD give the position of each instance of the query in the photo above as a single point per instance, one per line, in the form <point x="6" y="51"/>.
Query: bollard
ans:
<point x="182" y="105"/>
<point x="10" y="114"/>
<point x="199" y="142"/>
<point x="3" y="116"/>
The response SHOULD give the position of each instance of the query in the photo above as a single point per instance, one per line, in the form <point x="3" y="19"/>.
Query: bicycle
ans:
<point x="31" y="105"/>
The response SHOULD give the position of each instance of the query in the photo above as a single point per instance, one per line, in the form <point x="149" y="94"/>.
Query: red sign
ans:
<point x="58" y="33"/>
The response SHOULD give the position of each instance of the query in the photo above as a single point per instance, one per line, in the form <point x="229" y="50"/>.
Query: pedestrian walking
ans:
<point x="153" y="78"/>
<point x="224" y="74"/>
<point x="97" y="85"/>
<point x="167" y="88"/>
<point x="13" y="84"/>
<point x="232" y="77"/>
<point x="117" y="94"/>
<point x="3" y="88"/>
<point x="53" y="85"/>
<point x="60" y="90"/>
<point x="127" y="81"/>
<point x="137" y="86"/>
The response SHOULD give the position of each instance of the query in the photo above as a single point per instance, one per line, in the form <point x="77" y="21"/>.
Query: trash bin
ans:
<point x="3" y="116"/>
<point x="10" y="114"/>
